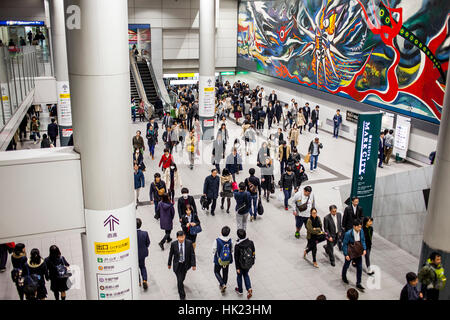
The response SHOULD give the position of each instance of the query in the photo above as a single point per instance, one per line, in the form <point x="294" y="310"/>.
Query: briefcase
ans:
<point x="355" y="250"/>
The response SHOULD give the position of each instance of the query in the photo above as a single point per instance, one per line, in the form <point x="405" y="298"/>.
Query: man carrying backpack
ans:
<point x="254" y="187"/>
<point x="243" y="206"/>
<point x="244" y="253"/>
<point x="223" y="257"/>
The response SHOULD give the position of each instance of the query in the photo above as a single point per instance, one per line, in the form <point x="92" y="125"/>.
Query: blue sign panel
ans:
<point x="20" y="23"/>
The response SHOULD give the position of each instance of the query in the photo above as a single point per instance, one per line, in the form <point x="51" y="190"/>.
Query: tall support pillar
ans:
<point x="59" y="51"/>
<point x="97" y="46"/>
<point x="437" y="222"/>
<point x="207" y="63"/>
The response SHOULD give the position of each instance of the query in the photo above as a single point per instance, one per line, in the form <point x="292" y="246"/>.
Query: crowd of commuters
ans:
<point x="179" y="132"/>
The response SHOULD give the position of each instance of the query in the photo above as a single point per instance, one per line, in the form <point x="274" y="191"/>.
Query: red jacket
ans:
<point x="166" y="161"/>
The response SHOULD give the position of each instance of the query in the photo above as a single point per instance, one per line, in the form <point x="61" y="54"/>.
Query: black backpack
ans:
<point x="247" y="260"/>
<point x="227" y="186"/>
<point x="61" y="270"/>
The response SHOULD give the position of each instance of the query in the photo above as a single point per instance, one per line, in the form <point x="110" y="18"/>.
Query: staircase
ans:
<point x="147" y="82"/>
<point x="133" y="90"/>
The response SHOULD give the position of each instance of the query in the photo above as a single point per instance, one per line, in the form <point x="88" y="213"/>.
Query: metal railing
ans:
<point x="18" y="70"/>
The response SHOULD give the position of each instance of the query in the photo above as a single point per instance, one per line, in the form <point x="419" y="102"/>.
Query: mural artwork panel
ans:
<point x="391" y="54"/>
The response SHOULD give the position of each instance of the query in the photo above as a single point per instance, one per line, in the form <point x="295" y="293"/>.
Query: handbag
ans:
<point x="303" y="206"/>
<point x="160" y="191"/>
<point x="195" y="229"/>
<point x="321" y="237"/>
<point x="307" y="158"/>
<point x="260" y="207"/>
<point x="355" y="250"/>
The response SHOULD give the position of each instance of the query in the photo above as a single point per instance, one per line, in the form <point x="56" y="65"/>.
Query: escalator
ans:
<point x="147" y="82"/>
<point x="133" y="89"/>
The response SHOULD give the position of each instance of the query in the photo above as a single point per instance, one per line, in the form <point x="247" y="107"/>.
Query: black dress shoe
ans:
<point x="360" y="287"/>
<point x="169" y="240"/>
<point x="333" y="264"/>
<point x="212" y="213"/>
<point x="345" y="280"/>
<point x="161" y="245"/>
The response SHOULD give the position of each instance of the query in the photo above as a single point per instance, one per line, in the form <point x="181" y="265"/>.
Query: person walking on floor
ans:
<point x="410" y="291"/>
<point x="337" y="121"/>
<point x="244" y="255"/>
<point x="191" y="145"/>
<point x="157" y="189"/>
<point x="184" y="201"/>
<point x="52" y="131"/>
<point x="35" y="128"/>
<point x="166" y="160"/>
<point x="37" y="269"/>
<point x="432" y="277"/>
<point x="234" y="163"/>
<point x="152" y="139"/>
<point x="368" y="235"/>
<point x="314" y="152"/>
<point x="288" y="183"/>
<point x="182" y="256"/>
<point x="211" y="189"/>
<point x="354" y="248"/>
<point x="267" y="178"/>
<point x="138" y="142"/>
<point x="223" y="257"/>
<point x="139" y="182"/>
<point x="381" y="145"/>
<point x="226" y="181"/>
<point x="143" y="241"/>
<point x="351" y="213"/>
<point x="166" y="214"/>
<point x="20" y="270"/>
<point x="283" y="155"/>
<point x="388" y="146"/>
<point x="190" y="224"/>
<point x="332" y="225"/>
<point x="55" y="263"/>
<point x="254" y="188"/>
<point x="314" y="119"/>
<point x="173" y="180"/>
<point x="243" y="205"/>
<point x="314" y="235"/>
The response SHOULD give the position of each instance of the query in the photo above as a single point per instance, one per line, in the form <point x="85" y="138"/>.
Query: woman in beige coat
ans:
<point x="301" y="121"/>
<point x="293" y="136"/>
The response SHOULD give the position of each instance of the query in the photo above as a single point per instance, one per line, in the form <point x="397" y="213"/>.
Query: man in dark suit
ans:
<point x="351" y="213"/>
<point x="306" y="114"/>
<point x="183" y="255"/>
<point x="143" y="241"/>
<point x="185" y="200"/>
<point x="314" y="119"/>
<point x="211" y="189"/>
<point x="52" y="131"/>
<point x="332" y="225"/>
<point x="273" y="97"/>
<point x="381" y="150"/>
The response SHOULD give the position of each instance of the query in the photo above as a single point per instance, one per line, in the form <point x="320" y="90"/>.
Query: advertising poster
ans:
<point x="402" y="131"/>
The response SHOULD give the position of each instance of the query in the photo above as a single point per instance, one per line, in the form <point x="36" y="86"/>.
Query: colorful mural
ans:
<point x="389" y="53"/>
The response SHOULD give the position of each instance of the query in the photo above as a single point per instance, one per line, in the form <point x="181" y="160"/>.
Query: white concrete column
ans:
<point x="97" y="47"/>
<point x="436" y="235"/>
<point x="59" y="55"/>
<point x="207" y="64"/>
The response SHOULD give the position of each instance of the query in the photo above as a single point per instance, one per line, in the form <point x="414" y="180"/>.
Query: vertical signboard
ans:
<point x="366" y="156"/>
<point x="5" y="101"/>
<point x="64" y="112"/>
<point x="401" y="141"/>
<point x="206" y="98"/>
<point x="206" y="104"/>
<point x="112" y="254"/>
